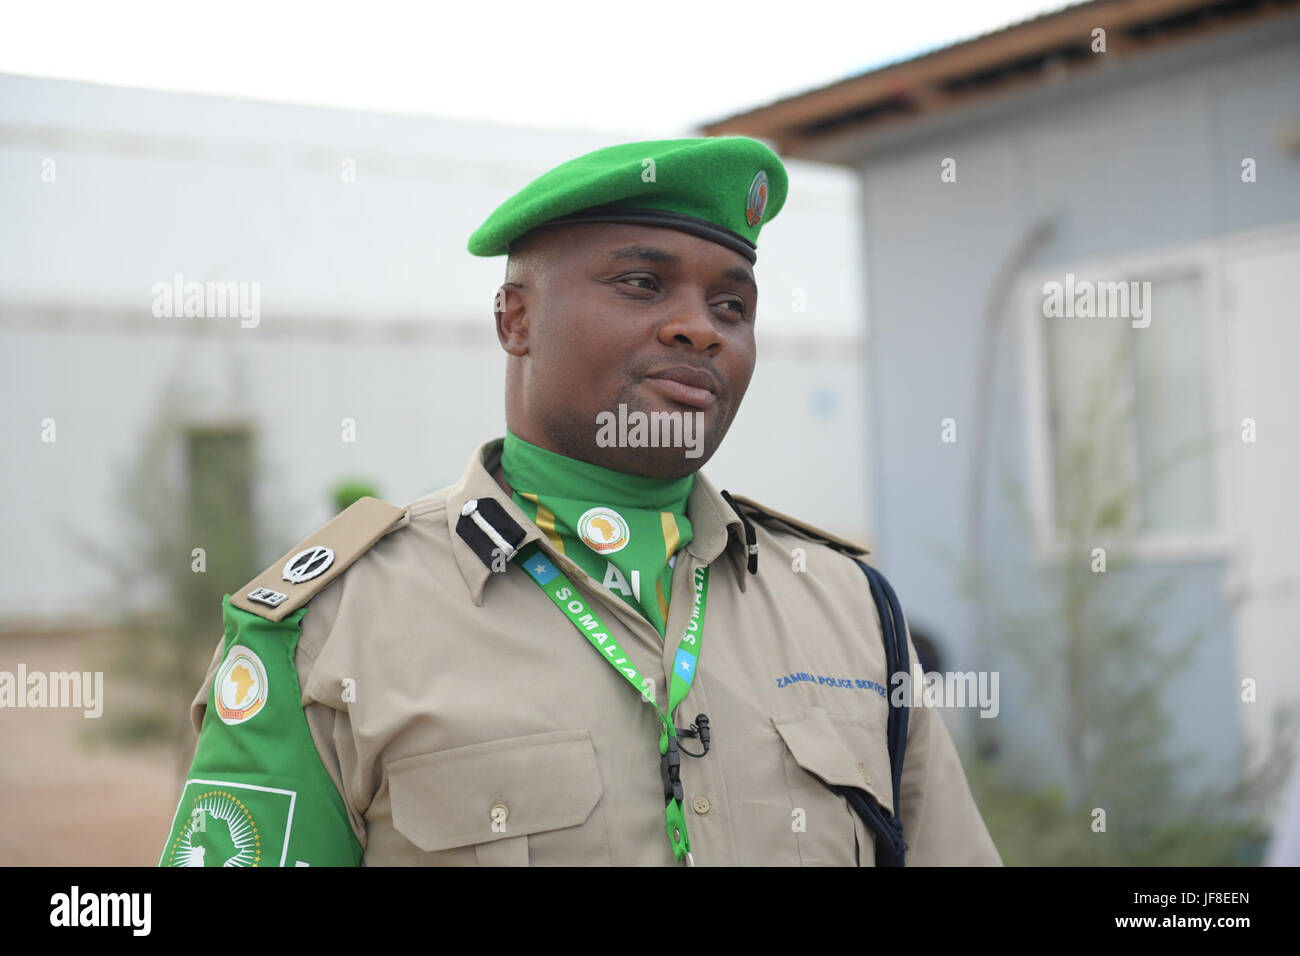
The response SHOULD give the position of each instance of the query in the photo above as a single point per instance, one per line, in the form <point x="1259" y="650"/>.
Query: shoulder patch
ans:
<point x="774" y="519"/>
<point x="318" y="559"/>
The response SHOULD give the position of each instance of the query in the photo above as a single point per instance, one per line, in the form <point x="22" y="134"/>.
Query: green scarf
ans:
<point x="621" y="529"/>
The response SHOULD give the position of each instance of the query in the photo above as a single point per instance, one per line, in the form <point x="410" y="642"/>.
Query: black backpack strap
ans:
<point x="888" y="828"/>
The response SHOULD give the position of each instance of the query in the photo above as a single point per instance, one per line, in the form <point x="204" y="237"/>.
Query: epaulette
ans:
<point x="749" y="509"/>
<point x="319" y="558"/>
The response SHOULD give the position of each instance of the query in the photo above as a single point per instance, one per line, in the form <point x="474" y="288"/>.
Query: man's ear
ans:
<point x="512" y="318"/>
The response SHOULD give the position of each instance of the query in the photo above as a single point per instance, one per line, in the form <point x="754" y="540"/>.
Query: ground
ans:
<point x="66" y="797"/>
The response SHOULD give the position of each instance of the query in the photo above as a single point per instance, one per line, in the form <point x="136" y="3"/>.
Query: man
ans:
<point x="572" y="655"/>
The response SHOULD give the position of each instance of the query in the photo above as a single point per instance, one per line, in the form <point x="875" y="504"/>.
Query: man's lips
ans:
<point x="684" y="384"/>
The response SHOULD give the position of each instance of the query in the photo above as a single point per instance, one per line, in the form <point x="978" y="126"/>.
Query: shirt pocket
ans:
<point x="842" y="751"/>
<point x="510" y="802"/>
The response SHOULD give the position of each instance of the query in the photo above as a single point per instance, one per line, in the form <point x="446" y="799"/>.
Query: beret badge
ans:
<point x="756" y="200"/>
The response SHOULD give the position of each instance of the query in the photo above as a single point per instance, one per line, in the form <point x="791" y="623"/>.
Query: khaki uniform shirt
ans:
<point x="476" y="701"/>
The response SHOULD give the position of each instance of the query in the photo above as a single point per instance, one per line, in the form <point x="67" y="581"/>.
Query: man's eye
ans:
<point x="738" y="306"/>
<point x="648" y="279"/>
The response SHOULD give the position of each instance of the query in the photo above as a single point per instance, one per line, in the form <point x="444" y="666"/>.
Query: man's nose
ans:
<point x="693" y="323"/>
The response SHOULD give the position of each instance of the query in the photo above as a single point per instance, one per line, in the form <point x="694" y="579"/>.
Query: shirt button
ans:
<point x="865" y="776"/>
<point x="700" y="805"/>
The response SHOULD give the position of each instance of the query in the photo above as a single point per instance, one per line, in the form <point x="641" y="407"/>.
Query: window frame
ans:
<point x="1201" y="259"/>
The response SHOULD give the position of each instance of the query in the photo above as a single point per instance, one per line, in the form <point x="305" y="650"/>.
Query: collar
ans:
<point x="716" y="525"/>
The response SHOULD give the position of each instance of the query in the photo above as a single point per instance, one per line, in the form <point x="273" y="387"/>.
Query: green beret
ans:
<point x="721" y="188"/>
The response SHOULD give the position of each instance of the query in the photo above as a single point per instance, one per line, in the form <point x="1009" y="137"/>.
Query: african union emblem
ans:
<point x="756" y="200"/>
<point x="219" y="832"/>
<point x="603" y="530"/>
<point x="240" y="685"/>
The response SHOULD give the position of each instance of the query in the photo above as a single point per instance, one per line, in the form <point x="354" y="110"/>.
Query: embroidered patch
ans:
<point x="240" y="687"/>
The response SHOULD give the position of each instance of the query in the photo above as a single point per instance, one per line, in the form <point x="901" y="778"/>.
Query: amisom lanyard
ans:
<point x="561" y="590"/>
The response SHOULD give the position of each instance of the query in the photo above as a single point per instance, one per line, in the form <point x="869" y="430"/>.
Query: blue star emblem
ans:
<point x="686" y="667"/>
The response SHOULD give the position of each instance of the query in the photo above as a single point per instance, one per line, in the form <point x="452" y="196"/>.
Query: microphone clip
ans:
<point x="698" y="729"/>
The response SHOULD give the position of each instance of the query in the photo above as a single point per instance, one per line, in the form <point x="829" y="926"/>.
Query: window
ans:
<point x="1120" y="405"/>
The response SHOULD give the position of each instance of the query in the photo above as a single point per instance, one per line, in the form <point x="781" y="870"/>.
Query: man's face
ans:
<point x="653" y="319"/>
